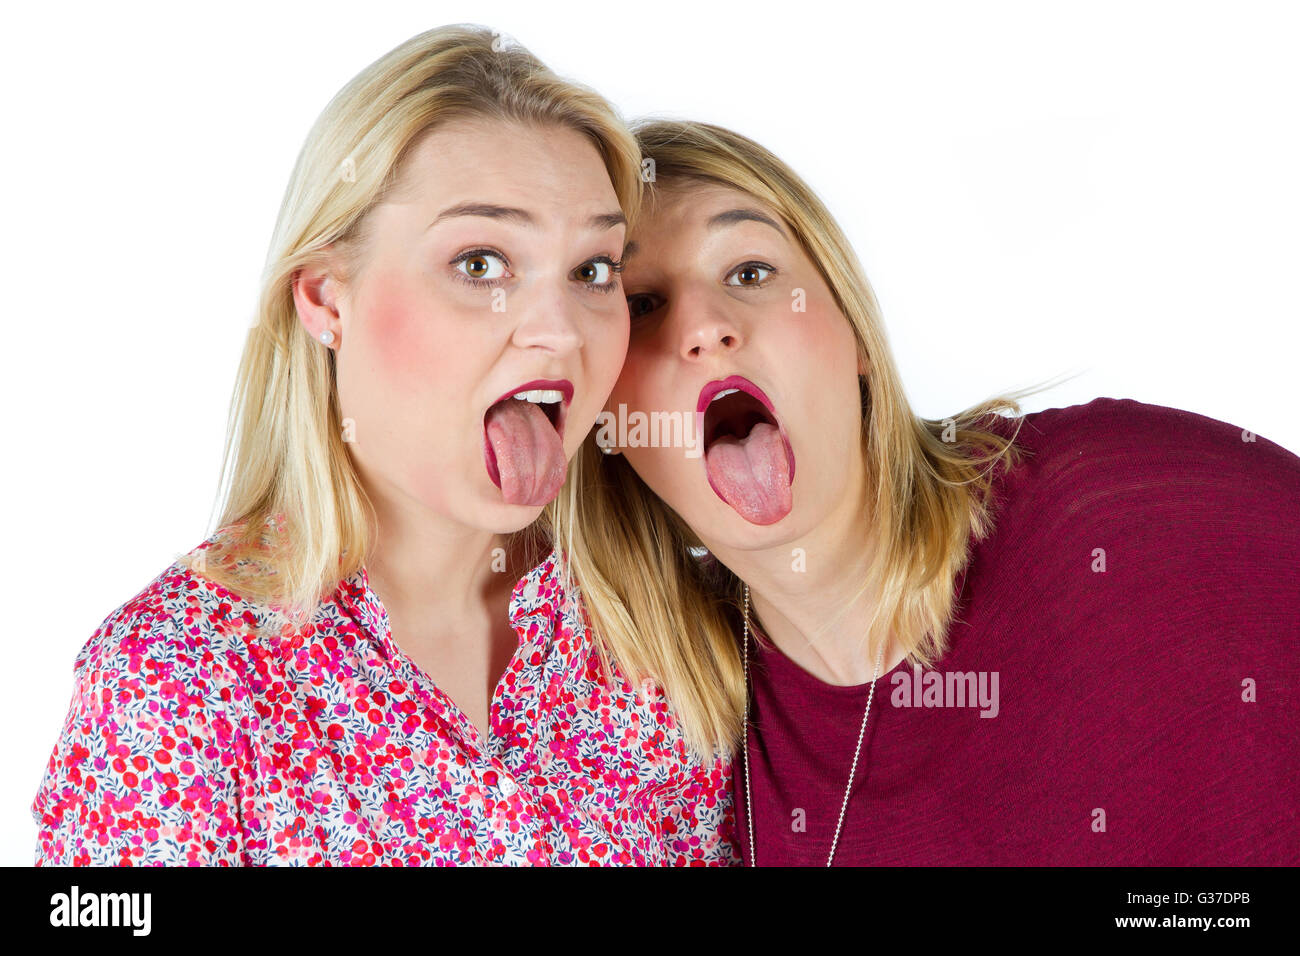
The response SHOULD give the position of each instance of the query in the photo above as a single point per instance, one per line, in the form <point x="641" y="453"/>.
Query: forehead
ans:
<point x="689" y="212"/>
<point x="511" y="160"/>
<point x="688" y="201"/>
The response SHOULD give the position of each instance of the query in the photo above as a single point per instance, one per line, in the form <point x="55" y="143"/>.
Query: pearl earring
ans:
<point x="327" y="336"/>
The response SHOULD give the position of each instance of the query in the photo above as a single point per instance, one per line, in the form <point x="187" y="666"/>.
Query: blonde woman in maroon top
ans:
<point x="1094" y="593"/>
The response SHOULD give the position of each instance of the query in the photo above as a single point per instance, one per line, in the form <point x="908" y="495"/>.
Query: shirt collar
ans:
<point x="536" y="599"/>
<point x="355" y="595"/>
<point x="534" y="604"/>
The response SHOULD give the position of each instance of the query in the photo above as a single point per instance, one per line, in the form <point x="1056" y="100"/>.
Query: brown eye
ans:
<point x="639" y="305"/>
<point x="750" y="274"/>
<point x="480" y="266"/>
<point x="596" y="272"/>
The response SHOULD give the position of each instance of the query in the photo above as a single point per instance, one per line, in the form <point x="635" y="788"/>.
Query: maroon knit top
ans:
<point x="1121" y="682"/>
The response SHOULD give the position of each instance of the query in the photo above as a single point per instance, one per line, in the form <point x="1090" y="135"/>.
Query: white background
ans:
<point x="1035" y="189"/>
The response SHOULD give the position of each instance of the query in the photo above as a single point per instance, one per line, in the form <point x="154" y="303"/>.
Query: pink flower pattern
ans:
<point x="194" y="739"/>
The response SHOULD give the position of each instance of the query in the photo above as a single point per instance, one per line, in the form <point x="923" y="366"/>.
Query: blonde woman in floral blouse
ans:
<point x="378" y="658"/>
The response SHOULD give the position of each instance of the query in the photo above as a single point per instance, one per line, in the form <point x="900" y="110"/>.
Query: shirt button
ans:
<point x="508" y="787"/>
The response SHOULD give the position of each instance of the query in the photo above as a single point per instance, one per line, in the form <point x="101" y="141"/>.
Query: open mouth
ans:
<point x="747" y="456"/>
<point x="523" y="447"/>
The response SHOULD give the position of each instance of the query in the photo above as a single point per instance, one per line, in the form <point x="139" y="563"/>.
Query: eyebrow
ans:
<point x="607" y="220"/>
<point x="728" y="218"/>
<point x="733" y="216"/>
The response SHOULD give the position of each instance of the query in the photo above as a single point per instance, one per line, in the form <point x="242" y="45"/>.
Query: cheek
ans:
<point x="406" y="358"/>
<point x="823" y="334"/>
<point x="827" y="363"/>
<point x="647" y="386"/>
<point x="603" y="351"/>
<point x="399" y="332"/>
<point x="420" y="351"/>
<point x="637" y="384"/>
<point x="824" y="388"/>
<point x="605" y="355"/>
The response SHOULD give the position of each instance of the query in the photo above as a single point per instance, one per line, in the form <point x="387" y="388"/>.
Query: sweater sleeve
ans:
<point x="147" y="767"/>
<point x="1159" y="550"/>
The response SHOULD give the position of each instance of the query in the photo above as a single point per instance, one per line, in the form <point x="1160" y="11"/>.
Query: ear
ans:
<point x="864" y="366"/>
<point x="316" y="294"/>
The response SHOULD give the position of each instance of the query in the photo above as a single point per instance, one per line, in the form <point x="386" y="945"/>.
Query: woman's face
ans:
<point x="490" y="274"/>
<point x="722" y="297"/>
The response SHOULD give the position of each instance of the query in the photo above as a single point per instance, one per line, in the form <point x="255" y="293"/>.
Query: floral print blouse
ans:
<point x="192" y="740"/>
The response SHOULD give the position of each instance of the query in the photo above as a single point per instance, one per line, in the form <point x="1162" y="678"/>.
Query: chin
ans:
<point x="501" y="518"/>
<point x="730" y="529"/>
<point x="484" y="510"/>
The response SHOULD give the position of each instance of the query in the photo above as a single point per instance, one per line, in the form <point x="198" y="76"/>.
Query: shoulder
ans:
<point x="1111" y="451"/>
<point x="1122" y="426"/>
<point x="158" y="730"/>
<point x="1170" y="490"/>
<point x="182" y="642"/>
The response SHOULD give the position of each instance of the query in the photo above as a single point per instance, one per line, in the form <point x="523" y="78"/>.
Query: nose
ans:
<point x="547" y="321"/>
<point x="705" y="330"/>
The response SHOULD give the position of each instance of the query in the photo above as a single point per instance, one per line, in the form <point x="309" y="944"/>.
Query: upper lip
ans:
<point x="733" y="381"/>
<point x="711" y="389"/>
<point x="563" y="385"/>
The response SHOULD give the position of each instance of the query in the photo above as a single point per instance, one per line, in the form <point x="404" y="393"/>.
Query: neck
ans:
<point x="425" y="568"/>
<point x="812" y="603"/>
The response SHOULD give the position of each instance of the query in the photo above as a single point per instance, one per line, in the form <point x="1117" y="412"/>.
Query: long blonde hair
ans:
<point x="660" y="610"/>
<point x="296" y="518"/>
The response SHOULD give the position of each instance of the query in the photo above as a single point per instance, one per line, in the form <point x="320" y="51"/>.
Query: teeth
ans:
<point x="721" y="394"/>
<point x="541" y="396"/>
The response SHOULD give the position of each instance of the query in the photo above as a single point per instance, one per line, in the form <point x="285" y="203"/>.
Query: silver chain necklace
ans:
<point x="848" y="789"/>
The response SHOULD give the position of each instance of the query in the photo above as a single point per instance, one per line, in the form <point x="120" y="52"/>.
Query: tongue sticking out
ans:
<point x="524" y="456"/>
<point x="752" y="474"/>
